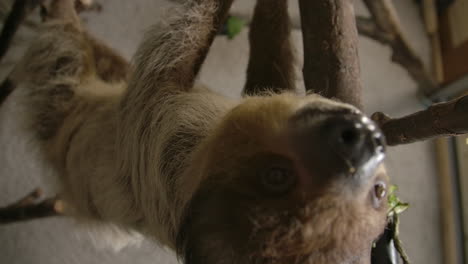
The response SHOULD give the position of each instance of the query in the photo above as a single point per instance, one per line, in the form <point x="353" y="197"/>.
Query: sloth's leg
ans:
<point x="57" y="10"/>
<point x="62" y="10"/>
<point x="53" y="67"/>
<point x="167" y="62"/>
<point x="271" y="62"/>
<point x="108" y="64"/>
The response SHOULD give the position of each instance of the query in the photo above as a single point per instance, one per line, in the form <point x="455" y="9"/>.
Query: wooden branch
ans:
<point x="19" y="11"/>
<point x="331" y="63"/>
<point x="367" y="27"/>
<point x="443" y="119"/>
<point x="22" y="8"/>
<point x="28" y="208"/>
<point x="384" y="27"/>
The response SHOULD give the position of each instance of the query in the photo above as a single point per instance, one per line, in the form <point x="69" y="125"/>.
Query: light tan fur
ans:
<point x="149" y="154"/>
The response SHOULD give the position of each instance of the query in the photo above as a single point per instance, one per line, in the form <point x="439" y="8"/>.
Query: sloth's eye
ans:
<point x="379" y="192"/>
<point x="278" y="180"/>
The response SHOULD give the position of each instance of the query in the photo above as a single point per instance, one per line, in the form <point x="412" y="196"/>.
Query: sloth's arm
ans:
<point x="149" y="114"/>
<point x="271" y="61"/>
<point x="172" y="53"/>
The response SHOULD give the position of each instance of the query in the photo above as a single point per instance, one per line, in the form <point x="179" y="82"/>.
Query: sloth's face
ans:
<point x="288" y="180"/>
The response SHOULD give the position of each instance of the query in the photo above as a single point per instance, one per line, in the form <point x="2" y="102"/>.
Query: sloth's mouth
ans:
<point x="312" y="230"/>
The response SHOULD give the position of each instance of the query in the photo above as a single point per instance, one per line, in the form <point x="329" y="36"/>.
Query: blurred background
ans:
<point x="432" y="228"/>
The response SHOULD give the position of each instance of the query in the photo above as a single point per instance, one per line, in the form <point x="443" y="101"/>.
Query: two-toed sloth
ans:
<point x="273" y="177"/>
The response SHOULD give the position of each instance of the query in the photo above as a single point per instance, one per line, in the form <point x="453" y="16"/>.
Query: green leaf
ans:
<point x="234" y="26"/>
<point x="400" y="208"/>
<point x="396" y="206"/>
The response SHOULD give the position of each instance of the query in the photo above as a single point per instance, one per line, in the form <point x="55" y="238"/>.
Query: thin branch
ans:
<point x="367" y="27"/>
<point x="395" y="226"/>
<point x="19" y="11"/>
<point x="331" y="62"/>
<point x="22" y="8"/>
<point x="387" y="30"/>
<point x="29" y="208"/>
<point x="443" y="119"/>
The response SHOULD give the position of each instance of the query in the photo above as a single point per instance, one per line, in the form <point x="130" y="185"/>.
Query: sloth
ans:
<point x="272" y="177"/>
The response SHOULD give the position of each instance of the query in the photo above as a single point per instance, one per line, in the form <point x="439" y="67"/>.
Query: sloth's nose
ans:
<point x="353" y="137"/>
<point x="337" y="142"/>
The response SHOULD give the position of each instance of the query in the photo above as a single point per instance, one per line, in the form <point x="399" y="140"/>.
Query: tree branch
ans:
<point x="367" y="27"/>
<point x="29" y="208"/>
<point x="331" y="62"/>
<point x="22" y="8"/>
<point x="386" y="29"/>
<point x="19" y="11"/>
<point x="443" y="119"/>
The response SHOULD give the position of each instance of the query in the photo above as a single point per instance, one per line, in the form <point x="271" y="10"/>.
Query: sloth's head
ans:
<point x="287" y="179"/>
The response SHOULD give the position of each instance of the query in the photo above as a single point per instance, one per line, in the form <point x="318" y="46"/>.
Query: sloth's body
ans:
<point x="217" y="180"/>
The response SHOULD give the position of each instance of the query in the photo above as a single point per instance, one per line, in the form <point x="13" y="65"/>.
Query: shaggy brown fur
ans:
<point x="184" y="165"/>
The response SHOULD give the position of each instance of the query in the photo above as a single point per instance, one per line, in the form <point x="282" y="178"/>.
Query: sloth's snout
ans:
<point x="353" y="137"/>
<point x="333" y="142"/>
